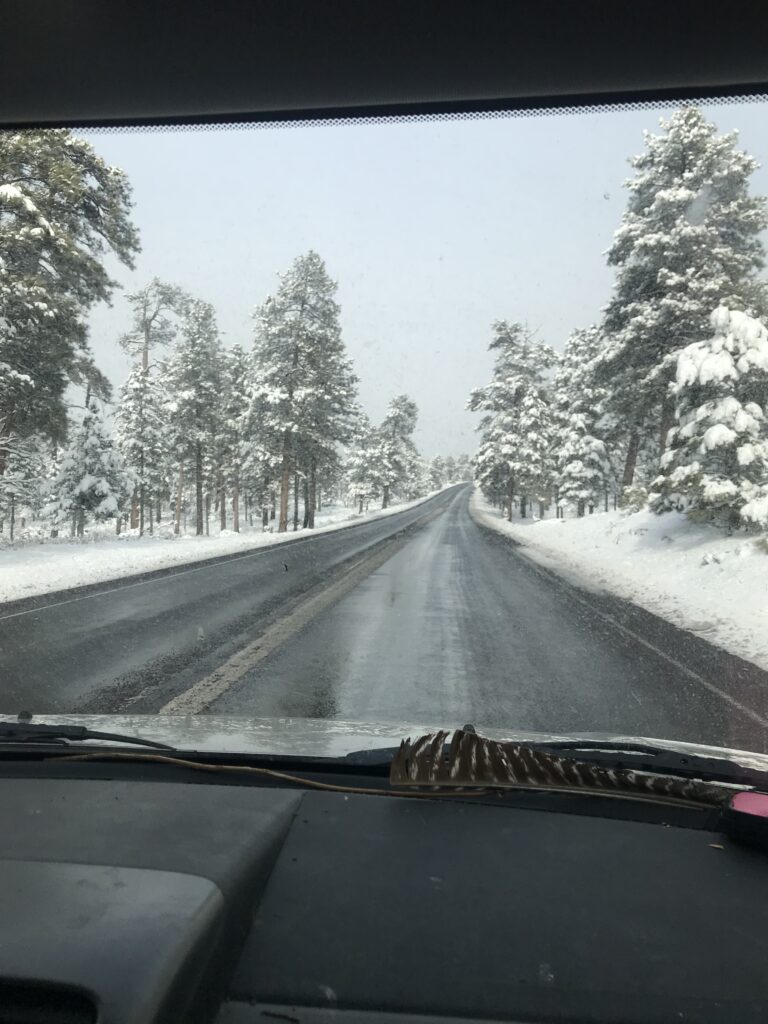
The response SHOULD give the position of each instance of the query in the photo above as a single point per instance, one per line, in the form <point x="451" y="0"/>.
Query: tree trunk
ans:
<point x="13" y="515"/>
<point x="606" y="499"/>
<point x="207" y="515"/>
<point x="667" y="422"/>
<point x="312" y="492"/>
<point x="541" y="510"/>
<point x="523" y="506"/>
<point x="81" y="522"/>
<point x="319" y="498"/>
<point x="222" y="507"/>
<point x="179" y="490"/>
<point x="265" y="517"/>
<point x="159" y="515"/>
<point x="360" y="509"/>
<point x="385" y="497"/>
<point x="305" y="498"/>
<point x="272" y="509"/>
<point x="285" y="483"/>
<point x="118" y="520"/>
<point x="631" y="460"/>
<point x="580" y="508"/>
<point x="151" y="520"/>
<point x="135" y="511"/>
<point x="236" y="506"/>
<point x="199" y="513"/>
<point x="141" y="495"/>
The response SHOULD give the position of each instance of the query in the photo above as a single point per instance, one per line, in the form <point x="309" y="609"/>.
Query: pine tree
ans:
<point x="358" y="465"/>
<point x="716" y="465"/>
<point x="232" y="435"/>
<point x="62" y="209"/>
<point x="142" y="432"/>
<point x="156" y="310"/>
<point x="583" y="467"/>
<point x="438" y="473"/>
<point x="515" y="454"/>
<point x="195" y="382"/>
<point x="92" y="479"/>
<point x="393" y="458"/>
<point x="690" y="239"/>
<point x="303" y="381"/>
<point x="463" y="468"/>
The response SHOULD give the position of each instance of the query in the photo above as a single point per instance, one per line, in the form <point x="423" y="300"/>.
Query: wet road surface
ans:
<point x="458" y="626"/>
<point x="424" y="616"/>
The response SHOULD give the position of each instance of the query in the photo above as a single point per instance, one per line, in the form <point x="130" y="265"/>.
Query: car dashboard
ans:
<point x="134" y="900"/>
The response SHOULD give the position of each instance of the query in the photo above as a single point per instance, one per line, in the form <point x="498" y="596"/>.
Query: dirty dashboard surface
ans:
<point x="131" y="900"/>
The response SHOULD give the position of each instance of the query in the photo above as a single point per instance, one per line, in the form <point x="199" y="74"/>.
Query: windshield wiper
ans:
<point x="27" y="732"/>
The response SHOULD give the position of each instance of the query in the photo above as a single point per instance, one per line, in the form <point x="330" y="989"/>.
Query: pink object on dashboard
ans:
<point x="751" y="803"/>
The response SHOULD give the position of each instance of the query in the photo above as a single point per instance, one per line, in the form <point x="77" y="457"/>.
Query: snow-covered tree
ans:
<point x="62" y="209"/>
<point x="155" y="310"/>
<point x="142" y="432"/>
<point x="716" y="465"/>
<point x="515" y="453"/>
<point x="303" y="381"/>
<point x="92" y="479"/>
<point x="583" y="467"/>
<point x="231" y="439"/>
<point x="690" y="239"/>
<point x="438" y="475"/>
<point x="394" y="461"/>
<point x="194" y="382"/>
<point x="463" y="468"/>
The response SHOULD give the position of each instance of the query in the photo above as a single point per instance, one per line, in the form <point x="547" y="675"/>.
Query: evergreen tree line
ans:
<point x="200" y="430"/>
<point x="664" y="401"/>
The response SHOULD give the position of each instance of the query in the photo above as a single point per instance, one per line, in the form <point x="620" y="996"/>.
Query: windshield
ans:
<point x="344" y="429"/>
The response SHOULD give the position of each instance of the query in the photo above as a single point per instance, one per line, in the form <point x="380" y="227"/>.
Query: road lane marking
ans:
<point x="519" y="550"/>
<point x="205" y="691"/>
<point x="213" y="563"/>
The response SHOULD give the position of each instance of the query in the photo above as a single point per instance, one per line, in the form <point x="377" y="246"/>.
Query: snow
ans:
<point x="692" y="575"/>
<point x="40" y="568"/>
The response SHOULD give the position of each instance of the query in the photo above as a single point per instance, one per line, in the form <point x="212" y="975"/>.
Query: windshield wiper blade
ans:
<point x="27" y="732"/>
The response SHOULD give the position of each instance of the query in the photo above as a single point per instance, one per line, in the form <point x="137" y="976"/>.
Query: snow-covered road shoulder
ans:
<point x="694" y="576"/>
<point x="33" y="569"/>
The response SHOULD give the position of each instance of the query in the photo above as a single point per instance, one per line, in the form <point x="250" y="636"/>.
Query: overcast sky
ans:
<point x="432" y="231"/>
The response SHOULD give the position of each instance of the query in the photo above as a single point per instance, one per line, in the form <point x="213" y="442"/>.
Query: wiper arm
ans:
<point x="27" y="732"/>
<point x="649" y="757"/>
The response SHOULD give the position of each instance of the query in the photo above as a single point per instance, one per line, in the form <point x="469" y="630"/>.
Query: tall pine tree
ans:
<point x="62" y="209"/>
<point x="303" y="383"/>
<point x="690" y="239"/>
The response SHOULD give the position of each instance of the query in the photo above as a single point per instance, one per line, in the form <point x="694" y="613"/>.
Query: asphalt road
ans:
<point x="424" y="616"/>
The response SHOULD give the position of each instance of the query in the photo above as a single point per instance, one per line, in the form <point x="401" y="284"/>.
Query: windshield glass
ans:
<point x="315" y="434"/>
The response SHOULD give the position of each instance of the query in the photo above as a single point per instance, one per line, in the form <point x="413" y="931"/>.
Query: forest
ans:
<point x="262" y="432"/>
<point x="661" y="403"/>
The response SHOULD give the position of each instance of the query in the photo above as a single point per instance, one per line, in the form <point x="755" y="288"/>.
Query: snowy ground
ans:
<point x="31" y="569"/>
<point x="695" y="576"/>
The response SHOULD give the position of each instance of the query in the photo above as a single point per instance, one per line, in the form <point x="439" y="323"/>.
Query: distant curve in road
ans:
<point x="458" y="626"/>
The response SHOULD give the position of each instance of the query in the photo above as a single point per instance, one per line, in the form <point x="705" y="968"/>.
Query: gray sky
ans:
<point x="432" y="230"/>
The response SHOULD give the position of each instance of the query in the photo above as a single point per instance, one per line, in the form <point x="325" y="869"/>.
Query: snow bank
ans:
<point x="696" y="577"/>
<point x="33" y="569"/>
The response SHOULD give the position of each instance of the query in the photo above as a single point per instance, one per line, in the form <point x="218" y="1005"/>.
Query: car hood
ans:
<point x="317" y="737"/>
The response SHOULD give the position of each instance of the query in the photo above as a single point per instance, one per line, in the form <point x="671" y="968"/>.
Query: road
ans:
<point x="425" y="616"/>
